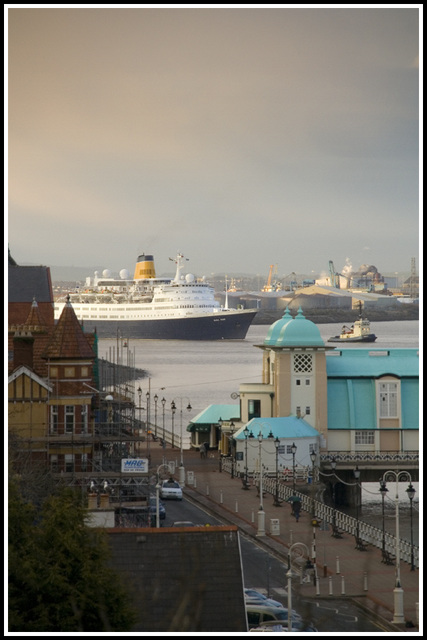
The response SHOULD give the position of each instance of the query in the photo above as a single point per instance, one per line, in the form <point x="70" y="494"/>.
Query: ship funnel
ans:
<point x="144" y="268"/>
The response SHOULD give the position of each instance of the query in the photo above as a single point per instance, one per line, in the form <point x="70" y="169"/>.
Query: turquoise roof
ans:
<point x="275" y="329"/>
<point x="354" y="363"/>
<point x="214" y="412"/>
<point x="294" y="332"/>
<point x="284" y="427"/>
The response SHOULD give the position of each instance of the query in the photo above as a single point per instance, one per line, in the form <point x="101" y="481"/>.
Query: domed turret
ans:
<point x="296" y="332"/>
<point x="276" y="328"/>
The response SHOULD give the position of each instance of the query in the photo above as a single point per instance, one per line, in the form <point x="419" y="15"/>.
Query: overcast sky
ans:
<point x="241" y="137"/>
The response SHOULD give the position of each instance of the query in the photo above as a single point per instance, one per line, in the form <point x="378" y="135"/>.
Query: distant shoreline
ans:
<point x="330" y="316"/>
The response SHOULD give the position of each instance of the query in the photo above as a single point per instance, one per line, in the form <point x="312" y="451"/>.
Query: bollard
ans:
<point x="237" y="507"/>
<point x="330" y="585"/>
<point x="318" y="588"/>
<point x="253" y="516"/>
<point x="195" y="483"/>
<point x="342" y="586"/>
<point x="365" y="581"/>
<point x="325" y="571"/>
<point x="338" y="565"/>
<point x="220" y="497"/>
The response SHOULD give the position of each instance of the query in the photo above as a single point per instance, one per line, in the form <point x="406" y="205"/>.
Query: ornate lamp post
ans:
<point x="261" y="514"/>
<point x="398" y="617"/>
<point x="276" y="502"/>
<point x="294" y="450"/>
<point x="163" y="401"/>
<point x="156" y="397"/>
<point x="181" y="462"/>
<point x="299" y="547"/>
<point x="246" y="434"/>
<point x="411" y="494"/>
<point x="333" y="467"/>
<point x="147" y="395"/>
<point x="357" y="476"/>
<point x="383" y="491"/>
<point x="313" y="462"/>
<point x="173" y="409"/>
<point x="139" y="390"/>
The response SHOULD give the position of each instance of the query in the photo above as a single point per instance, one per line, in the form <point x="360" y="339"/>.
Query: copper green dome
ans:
<point x="276" y="328"/>
<point x="296" y="332"/>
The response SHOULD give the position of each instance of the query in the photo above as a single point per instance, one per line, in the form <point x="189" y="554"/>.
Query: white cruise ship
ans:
<point x="148" y="307"/>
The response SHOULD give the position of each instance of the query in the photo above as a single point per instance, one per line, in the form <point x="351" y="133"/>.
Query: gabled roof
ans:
<point x="24" y="370"/>
<point x="213" y="413"/>
<point x="68" y="339"/>
<point x="283" y="427"/>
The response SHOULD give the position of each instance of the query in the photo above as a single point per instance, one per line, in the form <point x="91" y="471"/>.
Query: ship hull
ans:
<point x="220" y="326"/>
<point x="369" y="338"/>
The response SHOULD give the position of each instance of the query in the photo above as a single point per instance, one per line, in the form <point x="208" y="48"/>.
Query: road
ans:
<point x="264" y="572"/>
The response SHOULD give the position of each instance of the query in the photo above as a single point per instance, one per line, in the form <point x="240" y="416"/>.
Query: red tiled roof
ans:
<point x="68" y="339"/>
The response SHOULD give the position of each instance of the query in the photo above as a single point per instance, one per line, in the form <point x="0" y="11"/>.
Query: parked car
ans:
<point x="253" y="596"/>
<point x="152" y="503"/>
<point x="259" y="615"/>
<point x="170" y="490"/>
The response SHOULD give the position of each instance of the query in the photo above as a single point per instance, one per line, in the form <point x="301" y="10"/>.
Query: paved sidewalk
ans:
<point x="342" y="570"/>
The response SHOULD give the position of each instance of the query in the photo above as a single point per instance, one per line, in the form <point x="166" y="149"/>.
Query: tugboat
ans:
<point x="360" y="331"/>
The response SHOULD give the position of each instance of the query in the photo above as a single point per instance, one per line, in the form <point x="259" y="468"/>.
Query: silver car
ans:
<point x="170" y="490"/>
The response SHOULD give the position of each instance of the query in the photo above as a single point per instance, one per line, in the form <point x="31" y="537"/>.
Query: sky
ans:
<point x="243" y="136"/>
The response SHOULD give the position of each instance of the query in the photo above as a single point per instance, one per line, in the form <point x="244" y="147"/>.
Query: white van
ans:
<point x="258" y="615"/>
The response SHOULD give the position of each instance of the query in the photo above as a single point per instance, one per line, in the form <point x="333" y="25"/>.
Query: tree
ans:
<point x="59" y="573"/>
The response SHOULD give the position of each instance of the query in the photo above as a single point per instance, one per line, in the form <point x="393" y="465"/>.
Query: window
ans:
<point x="364" y="437"/>
<point x="303" y="363"/>
<point x="84" y="462"/>
<point x="69" y="462"/>
<point x="298" y="382"/>
<point x="85" y="418"/>
<point x="307" y="382"/>
<point x="254" y="409"/>
<point x="84" y="372"/>
<point x="53" y="372"/>
<point x="69" y="372"/>
<point x="54" y="463"/>
<point x="307" y="411"/>
<point x="53" y="419"/>
<point x="388" y="399"/>
<point x="69" y="419"/>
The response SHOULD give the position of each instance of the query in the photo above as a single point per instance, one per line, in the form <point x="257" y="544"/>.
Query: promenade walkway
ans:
<point x="342" y="570"/>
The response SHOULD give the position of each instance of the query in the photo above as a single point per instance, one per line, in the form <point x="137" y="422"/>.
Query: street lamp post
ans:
<point x="357" y="476"/>
<point x="181" y="461"/>
<point x="411" y="494"/>
<point x="246" y="434"/>
<point x="173" y="409"/>
<point x="398" y="617"/>
<point x="163" y="401"/>
<point x="147" y="395"/>
<point x="294" y="450"/>
<point x="261" y="514"/>
<point x="276" y="502"/>
<point x="313" y="462"/>
<point x="333" y="467"/>
<point x="139" y="390"/>
<point x="300" y="547"/>
<point x="383" y="491"/>
<point x="156" y="397"/>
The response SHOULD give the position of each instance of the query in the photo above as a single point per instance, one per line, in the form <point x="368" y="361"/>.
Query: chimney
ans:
<point x="23" y="342"/>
